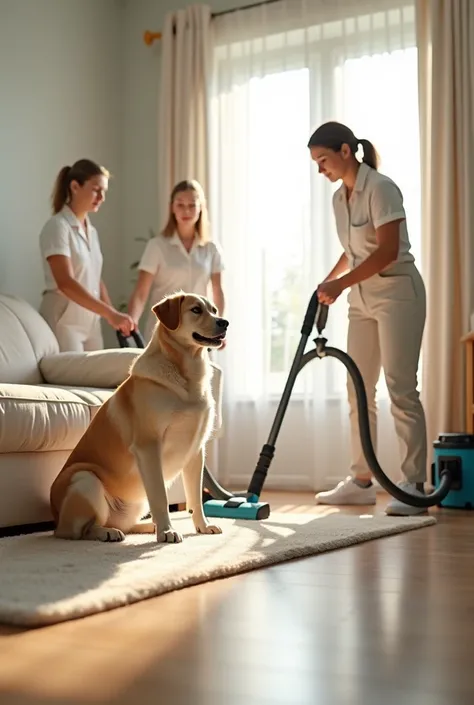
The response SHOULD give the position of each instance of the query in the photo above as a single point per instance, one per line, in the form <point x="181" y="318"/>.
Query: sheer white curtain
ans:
<point x="279" y="70"/>
<point x="183" y="100"/>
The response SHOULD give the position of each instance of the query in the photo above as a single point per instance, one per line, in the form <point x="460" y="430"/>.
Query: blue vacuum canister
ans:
<point x="455" y="451"/>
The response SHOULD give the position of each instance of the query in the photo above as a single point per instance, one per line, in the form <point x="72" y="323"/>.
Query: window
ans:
<point x="276" y="78"/>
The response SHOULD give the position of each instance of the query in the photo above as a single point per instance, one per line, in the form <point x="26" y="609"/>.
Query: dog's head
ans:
<point x="192" y="320"/>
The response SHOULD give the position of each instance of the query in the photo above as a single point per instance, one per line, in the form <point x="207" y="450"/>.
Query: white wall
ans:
<point x="60" y="97"/>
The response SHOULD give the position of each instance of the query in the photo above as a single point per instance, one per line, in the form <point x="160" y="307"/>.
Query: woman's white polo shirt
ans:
<point x="375" y="201"/>
<point x="174" y="268"/>
<point x="63" y="234"/>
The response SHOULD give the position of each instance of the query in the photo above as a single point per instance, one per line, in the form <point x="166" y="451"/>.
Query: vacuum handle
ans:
<point x="316" y="313"/>
<point x="322" y="318"/>
<point x="124" y="340"/>
<point x="310" y="315"/>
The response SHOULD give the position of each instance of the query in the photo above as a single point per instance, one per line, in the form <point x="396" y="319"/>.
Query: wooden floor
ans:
<point x="388" y="622"/>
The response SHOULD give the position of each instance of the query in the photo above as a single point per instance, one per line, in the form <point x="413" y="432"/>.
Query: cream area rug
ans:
<point x="44" y="580"/>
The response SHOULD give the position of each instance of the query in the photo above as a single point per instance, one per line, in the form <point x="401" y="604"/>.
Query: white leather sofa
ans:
<point x="47" y="400"/>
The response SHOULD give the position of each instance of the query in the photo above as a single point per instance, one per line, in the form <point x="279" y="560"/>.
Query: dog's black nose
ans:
<point x="222" y="323"/>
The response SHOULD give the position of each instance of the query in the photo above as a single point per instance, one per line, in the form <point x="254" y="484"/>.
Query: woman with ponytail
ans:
<point x="76" y="297"/>
<point x="387" y="306"/>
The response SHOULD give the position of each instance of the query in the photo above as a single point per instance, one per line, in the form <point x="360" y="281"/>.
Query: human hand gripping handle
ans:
<point x="329" y="291"/>
<point x="121" y="322"/>
<point x="135" y="334"/>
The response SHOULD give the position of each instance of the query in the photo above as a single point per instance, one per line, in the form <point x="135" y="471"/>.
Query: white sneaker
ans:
<point x="347" y="492"/>
<point x="397" y="508"/>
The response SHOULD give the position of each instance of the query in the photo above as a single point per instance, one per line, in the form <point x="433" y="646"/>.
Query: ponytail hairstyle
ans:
<point x="202" y="225"/>
<point x="332" y="135"/>
<point x="371" y="157"/>
<point x="81" y="171"/>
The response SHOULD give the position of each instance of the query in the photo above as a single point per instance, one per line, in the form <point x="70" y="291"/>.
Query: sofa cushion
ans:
<point x="87" y="394"/>
<point x="45" y="417"/>
<point x="98" y="368"/>
<point x="24" y="340"/>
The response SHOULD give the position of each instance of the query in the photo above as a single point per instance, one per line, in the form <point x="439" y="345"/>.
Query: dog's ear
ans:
<point x="168" y="311"/>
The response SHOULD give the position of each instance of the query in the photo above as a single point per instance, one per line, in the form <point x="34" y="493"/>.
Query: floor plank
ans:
<point x="382" y="623"/>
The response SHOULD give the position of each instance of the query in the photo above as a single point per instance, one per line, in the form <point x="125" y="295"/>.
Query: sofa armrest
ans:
<point x="98" y="368"/>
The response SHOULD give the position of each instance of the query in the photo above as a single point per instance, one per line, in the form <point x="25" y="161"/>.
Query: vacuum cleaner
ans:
<point x="447" y="471"/>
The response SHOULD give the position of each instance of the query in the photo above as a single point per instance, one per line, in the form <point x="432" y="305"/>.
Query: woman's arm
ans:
<point x="388" y="240"/>
<point x="140" y="295"/>
<point x="341" y="267"/>
<point x="63" y="274"/>
<point x="148" y="267"/>
<point x="104" y="294"/>
<point x="218" y="292"/>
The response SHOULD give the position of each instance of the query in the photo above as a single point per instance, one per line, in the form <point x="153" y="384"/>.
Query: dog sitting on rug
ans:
<point x="153" y="427"/>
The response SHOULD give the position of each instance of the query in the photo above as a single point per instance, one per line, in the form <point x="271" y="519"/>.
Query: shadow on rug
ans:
<point x="45" y="580"/>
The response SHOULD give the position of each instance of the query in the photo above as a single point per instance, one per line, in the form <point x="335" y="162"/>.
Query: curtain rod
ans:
<point x="150" y="37"/>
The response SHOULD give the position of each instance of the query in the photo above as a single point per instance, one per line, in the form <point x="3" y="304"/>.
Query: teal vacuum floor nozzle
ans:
<point x="237" y="508"/>
<point x="218" y="502"/>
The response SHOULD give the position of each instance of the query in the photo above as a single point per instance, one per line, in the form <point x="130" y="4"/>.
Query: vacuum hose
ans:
<point x="446" y="479"/>
<point x="135" y="334"/>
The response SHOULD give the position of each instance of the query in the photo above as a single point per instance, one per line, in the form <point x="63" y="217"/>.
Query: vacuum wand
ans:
<point x="316" y="314"/>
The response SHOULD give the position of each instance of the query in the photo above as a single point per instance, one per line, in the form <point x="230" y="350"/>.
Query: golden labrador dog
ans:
<point x="153" y="427"/>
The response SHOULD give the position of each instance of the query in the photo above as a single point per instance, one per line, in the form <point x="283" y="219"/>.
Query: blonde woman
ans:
<point x="181" y="257"/>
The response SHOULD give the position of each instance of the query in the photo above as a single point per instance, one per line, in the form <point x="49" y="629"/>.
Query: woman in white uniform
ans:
<point x="387" y="307"/>
<point x="76" y="297"/>
<point x="182" y="257"/>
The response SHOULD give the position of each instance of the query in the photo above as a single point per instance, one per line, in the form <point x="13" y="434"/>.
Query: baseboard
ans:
<point x="181" y="507"/>
<point x="20" y="529"/>
<point x="273" y="482"/>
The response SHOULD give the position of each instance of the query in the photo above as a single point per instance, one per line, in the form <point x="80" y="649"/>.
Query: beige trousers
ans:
<point x="75" y="328"/>
<point x="386" y="322"/>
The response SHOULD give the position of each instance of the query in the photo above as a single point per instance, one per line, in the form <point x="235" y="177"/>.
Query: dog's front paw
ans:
<point x="115" y="535"/>
<point x="209" y="529"/>
<point x="106" y="534"/>
<point x="169" y="536"/>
